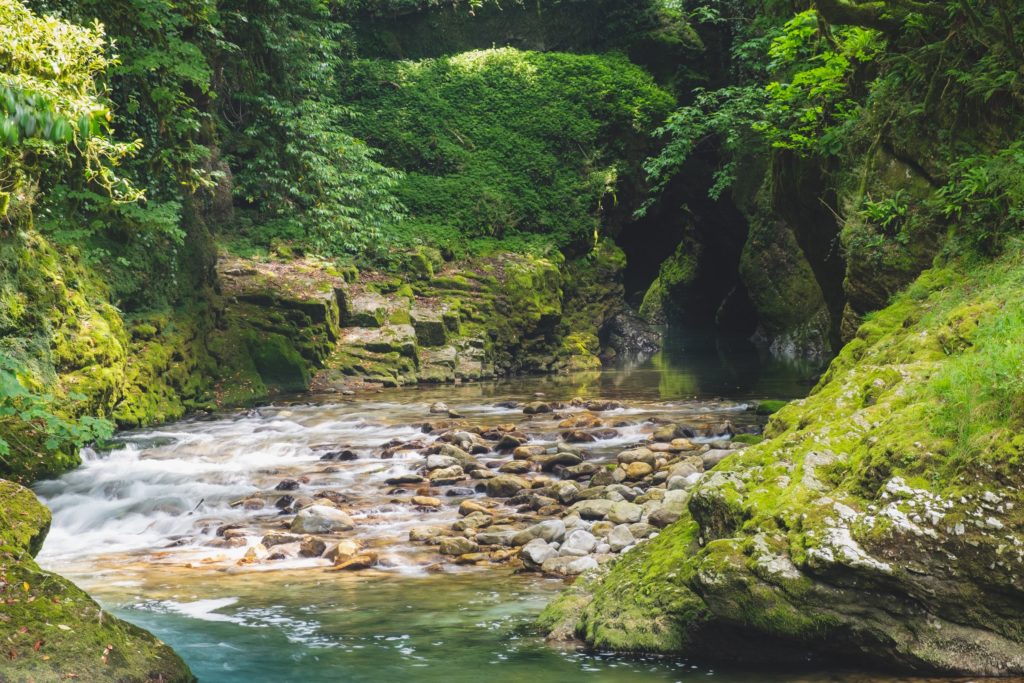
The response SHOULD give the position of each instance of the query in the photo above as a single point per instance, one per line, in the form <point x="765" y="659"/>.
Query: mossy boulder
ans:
<point x="791" y="309"/>
<point x="50" y="628"/>
<point x="876" y="521"/>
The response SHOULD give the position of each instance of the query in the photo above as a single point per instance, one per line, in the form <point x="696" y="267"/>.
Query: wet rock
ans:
<point x="620" y="538"/>
<point x="404" y="479"/>
<point x="592" y="509"/>
<point x="364" y="560"/>
<point x="565" y="492"/>
<point x="637" y="470"/>
<point x="662" y="517"/>
<point x="459" y="491"/>
<point x="506" y="486"/>
<point x="426" y="534"/>
<point x="721" y="429"/>
<point x="446" y="475"/>
<point x="637" y="455"/>
<point x="343" y="550"/>
<point x="311" y="546"/>
<point x="580" y="565"/>
<point x="605" y="433"/>
<point x="438" y="408"/>
<point x="664" y="433"/>
<point x="426" y="502"/>
<point x="254" y="554"/>
<point x="284" y="502"/>
<point x="629" y="336"/>
<point x="528" y="452"/>
<point x="620" y="492"/>
<point x="457" y="545"/>
<point x="578" y="436"/>
<point x="464" y="459"/>
<point x="536" y="407"/>
<point x="437" y="462"/>
<point x="277" y="538"/>
<point x="578" y="543"/>
<point x="683" y="483"/>
<point x="474" y="520"/>
<point x="713" y="457"/>
<point x="691" y="465"/>
<point x="285" y="551"/>
<point x="539" y="502"/>
<point x="599" y="406"/>
<point x="565" y="459"/>
<point x="537" y="552"/>
<point x="321" y="519"/>
<point x="344" y="455"/>
<point x="624" y="513"/>
<point x="508" y="442"/>
<point x="550" y="530"/>
<point x="642" y="530"/>
<point x="287" y="485"/>
<point x="252" y="504"/>
<point x="580" y="421"/>
<point x="503" y="538"/>
<point x="516" y="467"/>
<point x="467" y="507"/>
<point x="581" y="471"/>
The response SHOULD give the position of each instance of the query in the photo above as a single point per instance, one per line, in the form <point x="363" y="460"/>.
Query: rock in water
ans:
<point x="629" y="336"/>
<point x="320" y="519"/>
<point x="578" y="542"/>
<point x="506" y="486"/>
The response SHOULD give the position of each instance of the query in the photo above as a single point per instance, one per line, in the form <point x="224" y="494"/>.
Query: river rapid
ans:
<point x="142" y="528"/>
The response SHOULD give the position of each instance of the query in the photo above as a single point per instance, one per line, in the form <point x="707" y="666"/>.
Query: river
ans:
<point x="137" y="526"/>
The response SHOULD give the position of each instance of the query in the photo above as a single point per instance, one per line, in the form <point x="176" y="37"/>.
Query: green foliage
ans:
<point x="820" y="61"/>
<point x="299" y="175"/>
<point x="888" y="213"/>
<point x="985" y="197"/>
<point x="54" y="113"/>
<point x="33" y="430"/>
<point x="501" y="144"/>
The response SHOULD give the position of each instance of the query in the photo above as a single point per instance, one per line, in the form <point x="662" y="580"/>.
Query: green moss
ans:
<point x="667" y="294"/>
<point x="54" y="631"/>
<point x="748" y="439"/>
<point x="769" y="407"/>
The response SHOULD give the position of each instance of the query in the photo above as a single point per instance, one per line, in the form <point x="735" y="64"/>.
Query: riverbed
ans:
<point x="141" y="527"/>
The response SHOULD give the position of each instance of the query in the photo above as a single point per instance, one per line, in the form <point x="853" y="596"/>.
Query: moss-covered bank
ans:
<point x="52" y="630"/>
<point x="879" y="520"/>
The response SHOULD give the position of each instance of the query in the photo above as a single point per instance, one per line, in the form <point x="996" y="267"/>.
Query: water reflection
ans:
<point x="694" y="364"/>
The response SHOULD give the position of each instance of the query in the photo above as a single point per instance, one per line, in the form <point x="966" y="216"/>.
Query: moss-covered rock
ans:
<point x="791" y="308"/>
<point x="51" y="629"/>
<point x="878" y="520"/>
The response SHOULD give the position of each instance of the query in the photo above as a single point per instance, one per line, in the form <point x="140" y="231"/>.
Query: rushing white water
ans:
<point x="163" y="494"/>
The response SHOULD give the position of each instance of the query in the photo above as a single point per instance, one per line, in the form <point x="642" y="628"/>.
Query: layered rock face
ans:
<point x="51" y="629"/>
<point x="880" y="520"/>
<point x="290" y="325"/>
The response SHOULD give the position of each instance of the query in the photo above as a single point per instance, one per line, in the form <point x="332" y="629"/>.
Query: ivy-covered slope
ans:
<point x="881" y="518"/>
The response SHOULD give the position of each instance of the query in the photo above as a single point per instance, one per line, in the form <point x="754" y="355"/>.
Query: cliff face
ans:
<point x="880" y="519"/>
